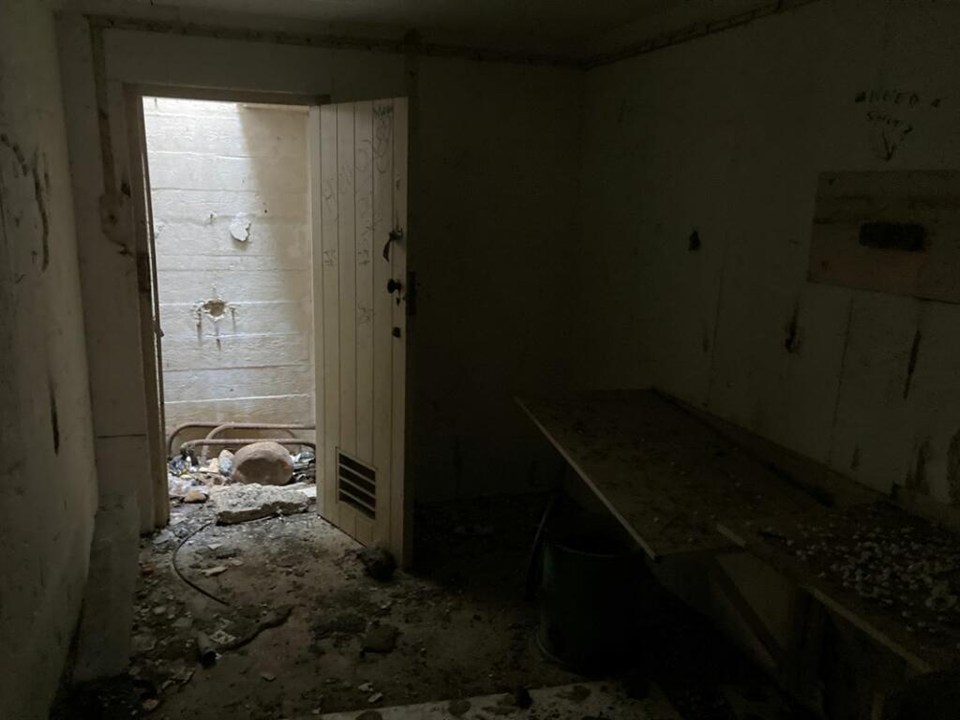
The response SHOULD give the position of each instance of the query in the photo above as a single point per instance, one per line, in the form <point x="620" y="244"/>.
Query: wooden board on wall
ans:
<point x="894" y="232"/>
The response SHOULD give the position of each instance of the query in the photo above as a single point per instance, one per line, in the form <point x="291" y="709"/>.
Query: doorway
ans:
<point x="278" y="256"/>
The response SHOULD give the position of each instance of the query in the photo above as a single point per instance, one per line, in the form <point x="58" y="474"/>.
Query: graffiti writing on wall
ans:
<point x="893" y="116"/>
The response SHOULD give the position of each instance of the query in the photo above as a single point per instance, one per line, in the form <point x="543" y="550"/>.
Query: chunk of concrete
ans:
<point x="242" y="503"/>
<point x="265" y="463"/>
<point x="380" y="638"/>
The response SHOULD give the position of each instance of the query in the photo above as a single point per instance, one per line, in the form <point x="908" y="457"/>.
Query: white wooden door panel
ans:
<point x="360" y="196"/>
<point x="363" y="208"/>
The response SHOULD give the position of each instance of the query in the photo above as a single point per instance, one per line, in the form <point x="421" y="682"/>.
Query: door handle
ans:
<point x="395" y="236"/>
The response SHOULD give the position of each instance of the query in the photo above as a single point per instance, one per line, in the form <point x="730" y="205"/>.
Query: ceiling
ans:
<point x="572" y="31"/>
<point x="556" y="21"/>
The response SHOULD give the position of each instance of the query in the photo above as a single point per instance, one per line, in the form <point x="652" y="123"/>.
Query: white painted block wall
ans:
<point x="218" y="170"/>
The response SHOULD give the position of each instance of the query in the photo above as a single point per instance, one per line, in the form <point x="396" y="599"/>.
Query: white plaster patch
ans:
<point x="240" y="228"/>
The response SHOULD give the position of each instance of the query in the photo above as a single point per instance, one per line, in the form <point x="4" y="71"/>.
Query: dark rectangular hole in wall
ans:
<point x="909" y="237"/>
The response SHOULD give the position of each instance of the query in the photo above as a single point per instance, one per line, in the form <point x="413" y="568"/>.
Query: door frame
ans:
<point x="154" y="502"/>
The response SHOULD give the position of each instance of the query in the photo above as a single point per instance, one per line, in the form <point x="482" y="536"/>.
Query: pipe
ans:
<point x="222" y="442"/>
<point x="218" y="426"/>
<point x="185" y="426"/>
<point x="288" y="427"/>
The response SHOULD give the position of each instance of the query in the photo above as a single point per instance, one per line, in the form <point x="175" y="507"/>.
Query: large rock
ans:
<point x="266" y="463"/>
<point x="242" y="503"/>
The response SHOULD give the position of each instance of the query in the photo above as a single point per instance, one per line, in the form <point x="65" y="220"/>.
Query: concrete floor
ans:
<point x="450" y="643"/>
<point x="568" y="702"/>
<point x="461" y="626"/>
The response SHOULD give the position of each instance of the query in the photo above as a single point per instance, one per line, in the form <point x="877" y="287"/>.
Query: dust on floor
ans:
<point x="583" y="701"/>
<point x="458" y="628"/>
<point x="423" y="640"/>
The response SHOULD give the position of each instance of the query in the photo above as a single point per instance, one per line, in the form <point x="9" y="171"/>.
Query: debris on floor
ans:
<point x="378" y="563"/>
<point x="305" y="466"/>
<point x="600" y="700"/>
<point x="225" y="463"/>
<point x="243" y="503"/>
<point x="295" y="604"/>
<point x="380" y="638"/>
<point x="261" y="463"/>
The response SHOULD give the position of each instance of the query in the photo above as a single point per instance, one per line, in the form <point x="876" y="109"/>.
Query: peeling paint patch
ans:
<point x="912" y="363"/>
<point x="240" y="229"/>
<point x="953" y="469"/>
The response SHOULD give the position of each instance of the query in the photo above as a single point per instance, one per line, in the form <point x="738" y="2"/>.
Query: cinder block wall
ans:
<point x="230" y="207"/>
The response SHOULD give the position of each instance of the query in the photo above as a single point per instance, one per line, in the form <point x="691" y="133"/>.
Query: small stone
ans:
<point x="160" y="610"/>
<point x="380" y="638"/>
<point x="151" y="704"/>
<point x="458" y="707"/>
<point x="268" y="676"/>
<point x="521" y="698"/>
<point x="378" y="563"/>
<point x="225" y="463"/>
<point x="366" y="687"/>
<point x="195" y="496"/>
<point x="217" y="570"/>
<point x="375" y="698"/>
<point x="144" y="643"/>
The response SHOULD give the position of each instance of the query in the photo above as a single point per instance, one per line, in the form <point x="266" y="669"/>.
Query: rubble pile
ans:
<point x="262" y="463"/>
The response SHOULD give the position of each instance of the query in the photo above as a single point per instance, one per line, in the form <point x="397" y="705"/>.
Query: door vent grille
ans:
<point x="357" y="485"/>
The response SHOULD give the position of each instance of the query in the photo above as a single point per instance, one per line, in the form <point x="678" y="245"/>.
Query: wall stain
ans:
<point x="39" y="191"/>
<point x="54" y="420"/>
<point x="792" y="341"/>
<point x="953" y="469"/>
<point x="17" y="153"/>
<point x="912" y="363"/>
<point x="693" y="242"/>
<point x="917" y="481"/>
<point x="40" y="197"/>
<point x="855" y="460"/>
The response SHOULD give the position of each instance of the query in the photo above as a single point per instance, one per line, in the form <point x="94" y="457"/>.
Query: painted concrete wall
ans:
<point x="495" y="191"/>
<point x="726" y="136"/>
<point x="46" y="447"/>
<point x="230" y="210"/>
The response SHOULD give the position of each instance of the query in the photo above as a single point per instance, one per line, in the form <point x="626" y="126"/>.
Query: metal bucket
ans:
<point x="593" y="594"/>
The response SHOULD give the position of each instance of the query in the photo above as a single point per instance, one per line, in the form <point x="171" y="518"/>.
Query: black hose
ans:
<point x="186" y="580"/>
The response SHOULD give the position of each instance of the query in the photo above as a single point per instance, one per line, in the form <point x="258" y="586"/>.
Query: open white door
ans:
<point x="359" y="200"/>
